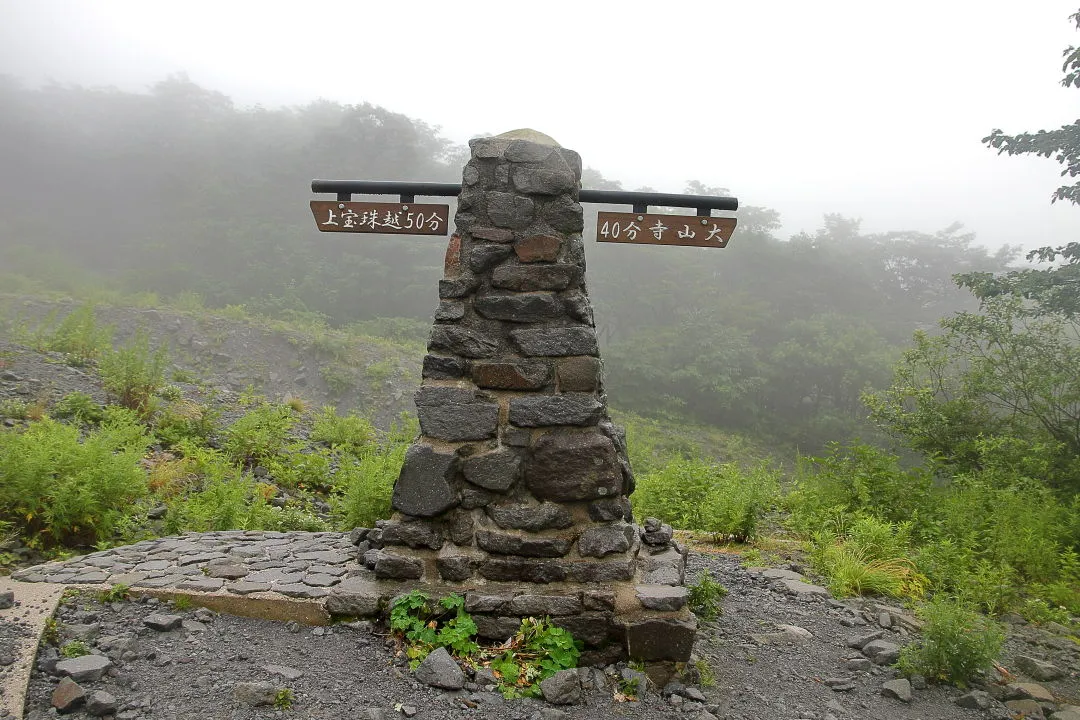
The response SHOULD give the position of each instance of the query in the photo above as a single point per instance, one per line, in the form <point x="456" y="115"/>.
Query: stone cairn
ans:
<point x="515" y="493"/>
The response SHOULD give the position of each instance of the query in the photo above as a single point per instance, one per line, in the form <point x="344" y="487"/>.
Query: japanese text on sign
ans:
<point x="648" y="229"/>
<point x="383" y="218"/>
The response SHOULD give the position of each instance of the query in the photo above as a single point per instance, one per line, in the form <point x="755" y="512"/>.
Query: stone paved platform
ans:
<point x="292" y="564"/>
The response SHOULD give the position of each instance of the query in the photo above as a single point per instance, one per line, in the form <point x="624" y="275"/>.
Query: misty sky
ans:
<point x="871" y="110"/>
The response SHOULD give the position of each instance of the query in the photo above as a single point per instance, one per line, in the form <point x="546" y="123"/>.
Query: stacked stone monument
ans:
<point x="515" y="493"/>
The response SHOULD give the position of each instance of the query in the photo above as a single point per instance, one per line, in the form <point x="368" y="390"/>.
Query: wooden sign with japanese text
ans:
<point x="380" y="217"/>
<point x="645" y="229"/>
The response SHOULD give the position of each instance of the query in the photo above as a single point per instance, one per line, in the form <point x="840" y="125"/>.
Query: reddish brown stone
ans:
<point x="538" y="248"/>
<point x="524" y="375"/>
<point x="578" y="374"/>
<point x="452" y="265"/>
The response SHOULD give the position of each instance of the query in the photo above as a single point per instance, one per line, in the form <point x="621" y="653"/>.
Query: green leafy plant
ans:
<point x="181" y="603"/>
<point x="116" y="593"/>
<point x="536" y="652"/>
<point x="351" y="433"/>
<point x="74" y="649"/>
<point x="16" y="409"/>
<point x="80" y="337"/>
<point x="259" y="434"/>
<point x="134" y="372"/>
<point x="80" y="408"/>
<point x="363" y="487"/>
<point x="50" y="634"/>
<point x="426" y="626"/>
<point x="283" y="699"/>
<point x="705" y="596"/>
<point x="956" y="643"/>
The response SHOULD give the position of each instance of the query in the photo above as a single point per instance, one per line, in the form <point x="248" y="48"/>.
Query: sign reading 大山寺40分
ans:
<point x="381" y="218"/>
<point x="646" y="229"/>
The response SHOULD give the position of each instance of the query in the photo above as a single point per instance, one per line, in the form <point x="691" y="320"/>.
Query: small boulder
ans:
<point x="7" y="599"/>
<point x="975" y="700"/>
<point x="562" y="688"/>
<point x="100" y="703"/>
<point x="255" y="693"/>
<point x="68" y="696"/>
<point x="161" y="622"/>
<point x="899" y="689"/>
<point x="440" y="670"/>
<point x="88" y="668"/>
<point x="882" y="652"/>
<point x="1038" y="669"/>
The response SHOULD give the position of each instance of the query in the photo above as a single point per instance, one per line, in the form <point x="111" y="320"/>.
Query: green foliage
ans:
<point x="705" y="596"/>
<point x="16" y="409"/>
<point x="956" y="643"/>
<point x="80" y="408"/>
<point x="181" y="603"/>
<point x="50" y="634"/>
<point x="57" y="489"/>
<point x="694" y="494"/>
<point x="352" y="433"/>
<point x="425" y="626"/>
<point x="378" y="373"/>
<point x="259" y="433"/>
<point x="283" y="699"/>
<point x="115" y="593"/>
<point x="134" y="372"/>
<point x="79" y="336"/>
<point x="338" y="379"/>
<point x="184" y="420"/>
<point x="74" y="649"/>
<point x="363" y="487"/>
<point x="536" y="652"/>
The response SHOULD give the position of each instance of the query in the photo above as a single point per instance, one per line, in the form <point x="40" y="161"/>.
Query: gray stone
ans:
<point x="284" y="671"/>
<point x="529" y="278"/>
<point x="519" y="308"/>
<point x="574" y="466"/>
<point x="82" y="631"/>
<point x="660" y="639"/>
<point x="460" y="528"/>
<point x="882" y="652"/>
<point x="662" y="597"/>
<point x="413" y="534"/>
<point x="525" y="546"/>
<point x="859" y="663"/>
<point x="545" y="516"/>
<point x="578" y="306"/>
<point x="463" y="341"/>
<point x="459" y="287"/>
<point x="454" y="568"/>
<point x="68" y="696"/>
<point x="860" y="641"/>
<point x="522" y="374"/>
<point x="975" y="700"/>
<point x="200" y="584"/>
<point x="564" y="214"/>
<point x="474" y="497"/>
<point x="455" y="414"/>
<point x="450" y="310"/>
<point x="1025" y="709"/>
<point x="440" y="670"/>
<point x="802" y="589"/>
<point x="541" y="181"/>
<point x="899" y="689"/>
<point x="610" y="509"/>
<point x="578" y="374"/>
<point x="489" y="147"/>
<point x="7" y="599"/>
<point x="1038" y="669"/>
<point x="255" y="693"/>
<point x="397" y="567"/>
<point x="300" y="590"/>
<point x="611" y="570"/>
<point x="555" y="342"/>
<point x="423" y="489"/>
<point x="508" y="210"/>
<point x="162" y="623"/>
<point x="658" y="536"/>
<point x="498" y="235"/>
<point x="230" y="571"/>
<point x="100" y="703"/>
<point x="528" y="151"/>
<point x="353" y="598"/>
<point x="320" y="580"/>
<point x="605" y="540"/>
<point x="543" y="410"/>
<point x="517" y="569"/>
<point x="540" y="605"/>
<point x="439" y="367"/>
<point x="497" y="470"/>
<point x="562" y="688"/>
<point x="1066" y="714"/>
<point x="88" y="668"/>
<point x="496" y="628"/>
<point x="484" y="257"/>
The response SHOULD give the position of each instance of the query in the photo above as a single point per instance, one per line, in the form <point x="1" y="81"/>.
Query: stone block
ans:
<point x="463" y="341"/>
<point x="489" y="147"/>
<point x="492" y="604"/>
<point x="574" y="466"/>
<point x="523" y="546"/>
<point x="450" y="310"/>
<point x="516" y="375"/>
<point x="598" y="599"/>
<point x="517" y="569"/>
<point x="610" y="509"/>
<point x="595" y="629"/>
<point x="508" y="210"/>
<point x="612" y="570"/>
<point x="496" y="628"/>
<point x="528" y="278"/>
<point x="538" y="248"/>
<point x="516" y="437"/>
<point x="423" y="488"/>
<point x="454" y="568"/>
<point x="469" y="176"/>
<point x="531" y="308"/>
<point x="566" y="409"/>
<point x="578" y="374"/>
<point x="542" y="181"/>
<point x="353" y="598"/>
<point x="662" y="597"/>
<point x="523" y="151"/>
<point x="534" y="518"/>
<point x="485" y="257"/>
<point x="553" y="342"/>
<point x="579" y="307"/>
<point x="491" y="234"/>
<point x="541" y="605"/>
<point x="397" y="567"/>
<point x="667" y="639"/>
<point x="497" y="470"/>
<point x="564" y="214"/>
<point x="606" y="540"/>
<point x="459" y="287"/>
<point x="562" y="688"/>
<point x="88" y="668"/>
<point x="440" y="367"/>
<point x="474" y="497"/>
<point x="68" y="696"/>
<point x="413" y="534"/>
<point x="455" y="414"/>
<point x="459" y="527"/>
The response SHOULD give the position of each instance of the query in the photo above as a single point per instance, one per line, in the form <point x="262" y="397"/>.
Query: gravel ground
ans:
<point x="348" y="671"/>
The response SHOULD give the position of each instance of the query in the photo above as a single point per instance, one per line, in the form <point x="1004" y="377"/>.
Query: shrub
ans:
<point x="60" y="490"/>
<point x="79" y="337"/>
<point x="705" y="596"/>
<point x="352" y="433"/>
<point x="259" y="434"/>
<point x="184" y="420"/>
<point x="80" y="408"/>
<point x="133" y="373"/>
<point x="74" y="649"/>
<point x="229" y="502"/>
<point x="956" y="643"/>
<point x="364" y="486"/>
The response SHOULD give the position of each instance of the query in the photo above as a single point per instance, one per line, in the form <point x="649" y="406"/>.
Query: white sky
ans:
<point x="868" y="109"/>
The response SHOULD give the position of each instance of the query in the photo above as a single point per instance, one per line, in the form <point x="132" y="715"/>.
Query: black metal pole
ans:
<point x="346" y="188"/>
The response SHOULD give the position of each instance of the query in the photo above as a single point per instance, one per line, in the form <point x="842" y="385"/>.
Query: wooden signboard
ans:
<point x="645" y="229"/>
<point x="380" y="217"/>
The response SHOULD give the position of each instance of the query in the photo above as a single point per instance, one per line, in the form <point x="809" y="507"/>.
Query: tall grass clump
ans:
<point x="694" y="494"/>
<point x="134" y="372"/>
<point x="78" y="336"/>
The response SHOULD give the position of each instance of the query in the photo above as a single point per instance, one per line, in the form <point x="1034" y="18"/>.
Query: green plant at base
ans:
<point x="956" y="643"/>
<point x="363" y="487"/>
<point x="705" y="596"/>
<point x="536" y="652"/>
<point x="50" y="634"/>
<point x="181" y="602"/>
<point x="706" y="676"/>
<point x="283" y="699"/>
<point x="74" y="649"/>
<point x="133" y="373"/>
<point x="116" y="593"/>
<point x="15" y="409"/>
<point x="423" y="627"/>
<point x="79" y="407"/>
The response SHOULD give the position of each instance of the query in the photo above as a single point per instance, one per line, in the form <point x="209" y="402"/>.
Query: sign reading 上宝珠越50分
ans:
<point x="382" y="218"/>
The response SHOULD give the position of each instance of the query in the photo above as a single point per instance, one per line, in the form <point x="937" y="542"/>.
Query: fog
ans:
<point x="868" y="110"/>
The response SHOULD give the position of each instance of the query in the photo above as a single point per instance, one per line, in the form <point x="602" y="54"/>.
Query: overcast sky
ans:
<point x="868" y="109"/>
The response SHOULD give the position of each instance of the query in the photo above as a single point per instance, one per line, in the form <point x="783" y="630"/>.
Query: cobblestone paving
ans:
<point x="294" y="564"/>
